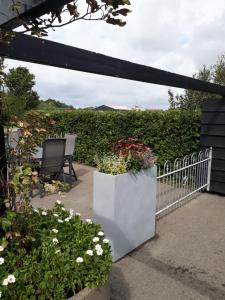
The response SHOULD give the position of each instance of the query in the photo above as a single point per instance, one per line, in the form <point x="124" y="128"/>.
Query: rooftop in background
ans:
<point x="118" y="108"/>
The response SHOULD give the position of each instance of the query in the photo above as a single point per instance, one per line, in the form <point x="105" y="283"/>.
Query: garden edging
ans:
<point x="101" y="293"/>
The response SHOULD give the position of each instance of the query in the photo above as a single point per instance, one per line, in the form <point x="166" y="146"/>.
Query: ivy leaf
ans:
<point x="114" y="21"/>
<point x="123" y="12"/>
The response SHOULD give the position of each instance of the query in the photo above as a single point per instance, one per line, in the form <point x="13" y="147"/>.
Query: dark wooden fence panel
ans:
<point x="213" y="134"/>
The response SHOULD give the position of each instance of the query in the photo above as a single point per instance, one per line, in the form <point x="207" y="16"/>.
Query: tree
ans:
<point x="109" y="11"/>
<point x="51" y="104"/>
<point x="20" y="94"/>
<point x="193" y="99"/>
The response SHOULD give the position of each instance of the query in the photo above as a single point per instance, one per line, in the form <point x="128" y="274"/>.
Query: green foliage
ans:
<point x="43" y="254"/>
<point x="111" y="164"/>
<point x="51" y="104"/>
<point x="20" y="95"/>
<point x="192" y="100"/>
<point x="170" y="134"/>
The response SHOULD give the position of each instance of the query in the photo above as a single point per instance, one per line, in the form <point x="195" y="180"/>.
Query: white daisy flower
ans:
<point x="44" y="213"/>
<point x="105" y="241"/>
<point x="101" y="233"/>
<point x="1" y="260"/>
<point x="67" y="219"/>
<point x="71" y="212"/>
<point x="95" y="239"/>
<point x="63" y="208"/>
<point x="89" y="221"/>
<point x="55" y="230"/>
<point x="58" y="202"/>
<point x="57" y="251"/>
<point x="11" y="279"/>
<point x="79" y="260"/>
<point x="99" y="252"/>
<point x="5" y="282"/>
<point x="55" y="241"/>
<point x="89" y="252"/>
<point x="60" y="221"/>
<point x="55" y="215"/>
<point x="97" y="247"/>
<point x="1" y="248"/>
<point x="77" y="214"/>
<point x="36" y="210"/>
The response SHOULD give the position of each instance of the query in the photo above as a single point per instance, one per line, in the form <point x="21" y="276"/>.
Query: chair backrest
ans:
<point x="14" y="138"/>
<point x="70" y="143"/>
<point x="53" y="156"/>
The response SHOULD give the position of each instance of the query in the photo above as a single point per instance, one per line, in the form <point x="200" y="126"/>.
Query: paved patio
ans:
<point x="186" y="259"/>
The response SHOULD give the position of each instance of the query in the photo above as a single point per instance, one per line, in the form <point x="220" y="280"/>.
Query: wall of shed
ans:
<point x="213" y="134"/>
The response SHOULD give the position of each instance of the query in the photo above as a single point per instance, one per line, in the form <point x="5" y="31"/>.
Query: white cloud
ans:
<point x="178" y="36"/>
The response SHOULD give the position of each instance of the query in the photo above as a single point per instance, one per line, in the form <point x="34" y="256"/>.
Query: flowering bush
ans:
<point x="50" y="254"/>
<point x="111" y="164"/>
<point x="129" y="155"/>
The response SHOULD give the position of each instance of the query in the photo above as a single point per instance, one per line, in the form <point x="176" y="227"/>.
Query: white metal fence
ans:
<point x="177" y="182"/>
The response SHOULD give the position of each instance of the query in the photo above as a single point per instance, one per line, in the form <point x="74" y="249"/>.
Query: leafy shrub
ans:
<point x="138" y="155"/>
<point x="50" y="254"/>
<point x="111" y="164"/>
<point x="130" y="155"/>
<point x="170" y="134"/>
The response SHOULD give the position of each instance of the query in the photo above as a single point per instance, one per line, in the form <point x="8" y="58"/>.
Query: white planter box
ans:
<point x="125" y="207"/>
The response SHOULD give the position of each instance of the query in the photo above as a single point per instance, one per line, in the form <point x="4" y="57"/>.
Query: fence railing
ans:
<point x="180" y="180"/>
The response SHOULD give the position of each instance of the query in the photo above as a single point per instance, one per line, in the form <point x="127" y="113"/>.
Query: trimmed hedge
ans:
<point x="171" y="134"/>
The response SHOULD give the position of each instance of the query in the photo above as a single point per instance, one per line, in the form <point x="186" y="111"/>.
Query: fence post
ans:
<point x="209" y="170"/>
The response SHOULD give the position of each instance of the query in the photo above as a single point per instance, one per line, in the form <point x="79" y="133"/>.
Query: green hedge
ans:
<point x="171" y="133"/>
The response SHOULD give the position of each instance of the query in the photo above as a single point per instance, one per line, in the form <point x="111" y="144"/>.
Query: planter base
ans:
<point x="125" y="207"/>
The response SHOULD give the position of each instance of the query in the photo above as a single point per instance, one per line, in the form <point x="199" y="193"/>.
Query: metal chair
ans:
<point x="69" y="151"/>
<point x="52" y="161"/>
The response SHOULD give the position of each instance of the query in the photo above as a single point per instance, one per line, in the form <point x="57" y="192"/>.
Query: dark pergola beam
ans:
<point x="32" y="9"/>
<point x="35" y="50"/>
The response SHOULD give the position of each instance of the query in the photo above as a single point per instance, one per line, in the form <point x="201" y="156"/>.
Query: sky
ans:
<point x="177" y="36"/>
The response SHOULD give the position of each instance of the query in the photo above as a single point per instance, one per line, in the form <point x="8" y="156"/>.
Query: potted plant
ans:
<point x="52" y="254"/>
<point x="125" y="195"/>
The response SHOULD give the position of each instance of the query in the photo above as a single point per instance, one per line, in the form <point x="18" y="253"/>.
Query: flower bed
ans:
<point x="50" y="254"/>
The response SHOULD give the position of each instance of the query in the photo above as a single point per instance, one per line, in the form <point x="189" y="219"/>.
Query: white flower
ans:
<point x="71" y="212"/>
<point x="79" y="260"/>
<point x="55" y="215"/>
<point x="0" y="294"/>
<point x="105" y="241"/>
<point x="60" y="221"/>
<point x="99" y="251"/>
<point x="97" y="247"/>
<point x="89" y="221"/>
<point x="11" y="279"/>
<point x="95" y="239"/>
<point x="58" y="201"/>
<point x="44" y="213"/>
<point x="57" y="251"/>
<point x="5" y="281"/>
<point x="63" y="208"/>
<point x="55" y="241"/>
<point x="77" y="214"/>
<point x="1" y="260"/>
<point x="36" y="210"/>
<point x="67" y="219"/>
<point x="89" y="252"/>
<point x="55" y="230"/>
<point x="1" y="248"/>
<point x="100" y="233"/>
